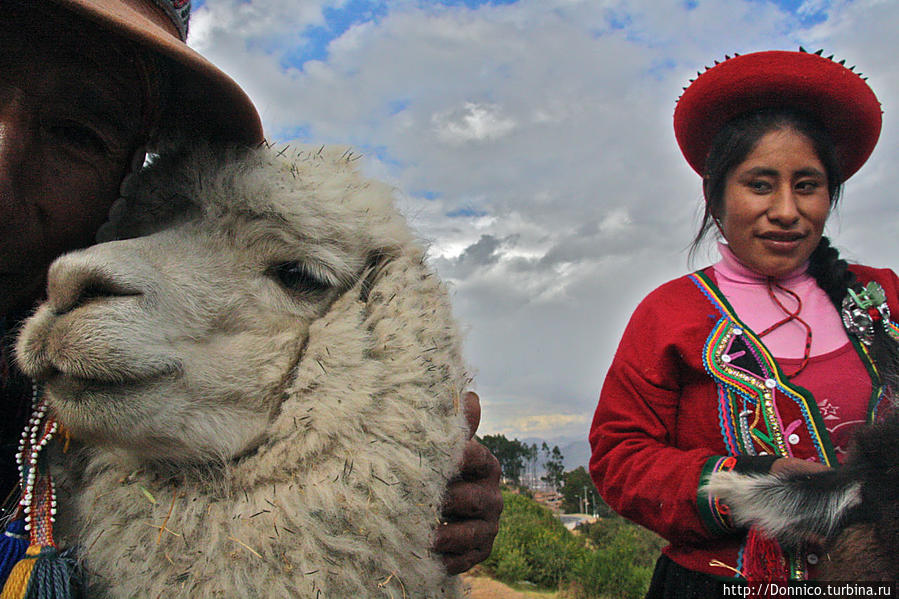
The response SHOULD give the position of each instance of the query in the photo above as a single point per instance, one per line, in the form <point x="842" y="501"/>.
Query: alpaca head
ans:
<point x="174" y="341"/>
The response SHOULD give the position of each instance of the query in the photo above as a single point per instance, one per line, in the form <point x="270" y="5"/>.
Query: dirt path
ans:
<point x="487" y="588"/>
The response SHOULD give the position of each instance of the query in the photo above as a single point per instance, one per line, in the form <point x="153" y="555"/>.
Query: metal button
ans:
<point x="793" y="439"/>
<point x="812" y="558"/>
<point x="725" y="358"/>
<point x="770" y="383"/>
<point x="738" y="331"/>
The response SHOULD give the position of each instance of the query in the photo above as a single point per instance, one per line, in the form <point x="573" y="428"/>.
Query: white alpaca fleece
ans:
<point x="246" y="432"/>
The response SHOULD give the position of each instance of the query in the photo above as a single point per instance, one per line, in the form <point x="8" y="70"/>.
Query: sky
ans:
<point x="531" y="147"/>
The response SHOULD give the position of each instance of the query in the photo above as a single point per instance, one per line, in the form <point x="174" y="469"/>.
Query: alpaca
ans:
<point x="261" y="379"/>
<point x="852" y="509"/>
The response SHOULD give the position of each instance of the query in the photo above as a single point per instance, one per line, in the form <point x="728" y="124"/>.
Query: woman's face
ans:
<point x="69" y="124"/>
<point x="776" y="203"/>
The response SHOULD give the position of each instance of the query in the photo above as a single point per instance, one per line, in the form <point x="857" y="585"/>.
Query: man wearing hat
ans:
<point x="86" y="87"/>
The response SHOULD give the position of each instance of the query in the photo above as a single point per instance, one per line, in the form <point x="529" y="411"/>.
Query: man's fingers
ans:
<point x="471" y="407"/>
<point x="464" y="544"/>
<point x="478" y="463"/>
<point x="472" y="500"/>
<point x="457" y="564"/>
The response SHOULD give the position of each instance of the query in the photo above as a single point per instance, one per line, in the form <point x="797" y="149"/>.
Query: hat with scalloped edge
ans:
<point x="833" y="93"/>
<point x="202" y="99"/>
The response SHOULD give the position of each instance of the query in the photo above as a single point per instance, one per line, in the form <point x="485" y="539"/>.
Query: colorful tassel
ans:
<point x="17" y="584"/>
<point x="763" y="559"/>
<point x="12" y="547"/>
<point x="42" y="573"/>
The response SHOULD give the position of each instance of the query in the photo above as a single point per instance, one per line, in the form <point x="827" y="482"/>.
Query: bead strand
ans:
<point x="36" y="436"/>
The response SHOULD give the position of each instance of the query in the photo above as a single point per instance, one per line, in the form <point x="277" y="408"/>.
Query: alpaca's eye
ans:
<point x="296" y="277"/>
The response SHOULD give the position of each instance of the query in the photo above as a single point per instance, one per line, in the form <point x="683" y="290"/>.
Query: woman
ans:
<point x="747" y="365"/>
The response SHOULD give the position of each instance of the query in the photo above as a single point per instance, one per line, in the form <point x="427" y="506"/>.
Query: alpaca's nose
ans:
<point x="80" y="277"/>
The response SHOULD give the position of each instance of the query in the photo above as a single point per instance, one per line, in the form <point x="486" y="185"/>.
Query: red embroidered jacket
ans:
<point x="683" y="391"/>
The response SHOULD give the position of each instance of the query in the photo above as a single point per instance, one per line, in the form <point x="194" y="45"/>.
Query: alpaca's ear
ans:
<point x="375" y="264"/>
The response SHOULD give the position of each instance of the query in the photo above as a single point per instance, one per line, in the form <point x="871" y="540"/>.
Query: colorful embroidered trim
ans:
<point x="893" y="330"/>
<point x="750" y="387"/>
<point x="747" y="377"/>
<point x="714" y="514"/>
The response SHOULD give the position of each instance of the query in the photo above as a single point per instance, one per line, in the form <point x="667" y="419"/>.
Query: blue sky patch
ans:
<point x="397" y="106"/>
<point x="806" y="19"/>
<point x="337" y="22"/>
<point x="297" y="132"/>
<point x="467" y="3"/>
<point x="380" y="152"/>
<point x="426" y="194"/>
<point x="619" y="20"/>
<point x="466" y="212"/>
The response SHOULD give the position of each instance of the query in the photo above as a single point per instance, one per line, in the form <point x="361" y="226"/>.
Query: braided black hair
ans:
<point x="833" y="276"/>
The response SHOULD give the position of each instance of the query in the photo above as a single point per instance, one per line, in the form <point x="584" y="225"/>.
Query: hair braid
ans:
<point x="831" y="272"/>
<point x="833" y="276"/>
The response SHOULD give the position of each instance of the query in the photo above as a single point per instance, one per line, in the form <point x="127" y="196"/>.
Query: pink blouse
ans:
<point x="834" y="375"/>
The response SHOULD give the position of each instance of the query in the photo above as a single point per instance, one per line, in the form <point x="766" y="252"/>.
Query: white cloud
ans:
<point x="472" y="122"/>
<point x="544" y="128"/>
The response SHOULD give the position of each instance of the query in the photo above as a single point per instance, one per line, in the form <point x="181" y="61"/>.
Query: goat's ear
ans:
<point x="375" y="264"/>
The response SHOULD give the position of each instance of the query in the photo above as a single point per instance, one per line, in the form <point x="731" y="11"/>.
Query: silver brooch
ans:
<point x="861" y="309"/>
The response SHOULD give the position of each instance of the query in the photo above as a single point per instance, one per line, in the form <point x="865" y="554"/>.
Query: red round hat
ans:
<point x="829" y="91"/>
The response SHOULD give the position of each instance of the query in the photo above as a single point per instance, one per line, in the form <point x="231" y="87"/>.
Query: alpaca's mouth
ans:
<point x="84" y="380"/>
<point x="72" y="386"/>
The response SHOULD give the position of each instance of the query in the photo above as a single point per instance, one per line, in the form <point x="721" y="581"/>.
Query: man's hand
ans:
<point x="470" y="518"/>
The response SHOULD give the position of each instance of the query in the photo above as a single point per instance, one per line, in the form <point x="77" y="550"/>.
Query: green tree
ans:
<point x="612" y="558"/>
<point x="533" y="545"/>
<point x="510" y="453"/>
<point x="554" y="467"/>
<point x="532" y="456"/>
<point x="576" y="486"/>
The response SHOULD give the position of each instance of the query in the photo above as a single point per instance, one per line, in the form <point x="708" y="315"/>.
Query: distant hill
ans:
<point x="575" y="451"/>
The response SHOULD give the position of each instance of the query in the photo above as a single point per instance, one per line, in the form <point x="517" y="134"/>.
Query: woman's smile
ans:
<point x="782" y="241"/>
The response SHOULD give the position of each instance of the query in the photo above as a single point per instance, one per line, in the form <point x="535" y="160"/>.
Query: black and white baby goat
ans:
<point x="853" y="510"/>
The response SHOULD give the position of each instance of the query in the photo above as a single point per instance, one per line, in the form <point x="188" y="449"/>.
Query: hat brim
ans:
<point x="839" y="98"/>
<point x="203" y="100"/>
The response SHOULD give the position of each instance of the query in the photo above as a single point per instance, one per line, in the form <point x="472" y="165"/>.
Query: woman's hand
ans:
<point x="470" y="518"/>
<point x="796" y="466"/>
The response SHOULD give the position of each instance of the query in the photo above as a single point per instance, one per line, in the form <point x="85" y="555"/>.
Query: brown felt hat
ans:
<point x="202" y="99"/>
<point x="833" y="93"/>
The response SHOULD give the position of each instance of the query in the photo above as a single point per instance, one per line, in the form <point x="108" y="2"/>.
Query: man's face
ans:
<point x="70" y="121"/>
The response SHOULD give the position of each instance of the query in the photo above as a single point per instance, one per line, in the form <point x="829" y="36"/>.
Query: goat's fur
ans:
<point x="852" y="509"/>
<point x="240" y="438"/>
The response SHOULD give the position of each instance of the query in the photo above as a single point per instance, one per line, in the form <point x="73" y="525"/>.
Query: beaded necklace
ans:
<point x="38" y="492"/>
<point x="39" y="570"/>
